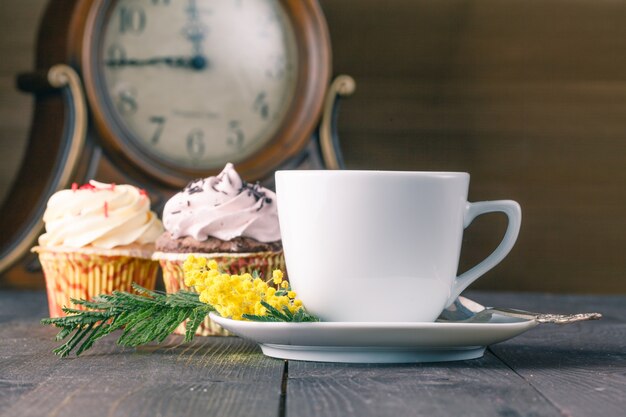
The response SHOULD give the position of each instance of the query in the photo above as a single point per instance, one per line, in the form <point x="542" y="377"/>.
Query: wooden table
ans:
<point x="575" y="370"/>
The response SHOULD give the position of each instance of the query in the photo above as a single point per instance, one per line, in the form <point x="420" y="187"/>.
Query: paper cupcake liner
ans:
<point x="232" y="263"/>
<point x="85" y="275"/>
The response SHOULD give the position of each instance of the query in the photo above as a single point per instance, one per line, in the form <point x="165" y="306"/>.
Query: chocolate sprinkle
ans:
<point x="255" y="190"/>
<point x="176" y="212"/>
<point x="193" y="187"/>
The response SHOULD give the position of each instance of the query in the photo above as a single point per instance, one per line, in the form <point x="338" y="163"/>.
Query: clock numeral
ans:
<point x="127" y="101"/>
<point x="132" y="19"/>
<point x="116" y="55"/>
<point x="195" y="144"/>
<point x="261" y="106"/>
<point x="236" y="136"/>
<point x="159" y="121"/>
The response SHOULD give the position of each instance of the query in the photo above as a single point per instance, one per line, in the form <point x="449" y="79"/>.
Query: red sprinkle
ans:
<point x="106" y="209"/>
<point x="75" y="186"/>
<point x="142" y="192"/>
<point x="87" y="187"/>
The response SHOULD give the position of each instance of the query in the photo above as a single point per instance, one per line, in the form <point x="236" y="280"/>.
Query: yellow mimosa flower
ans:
<point x="237" y="296"/>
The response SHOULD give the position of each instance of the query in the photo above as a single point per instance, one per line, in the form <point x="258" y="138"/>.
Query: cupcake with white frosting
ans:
<point x="222" y="218"/>
<point x="99" y="238"/>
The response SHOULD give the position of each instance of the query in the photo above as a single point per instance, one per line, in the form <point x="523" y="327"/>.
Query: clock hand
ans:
<point x="194" y="30"/>
<point x="196" y="62"/>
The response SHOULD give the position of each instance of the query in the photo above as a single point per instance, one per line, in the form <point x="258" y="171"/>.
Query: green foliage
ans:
<point x="147" y="317"/>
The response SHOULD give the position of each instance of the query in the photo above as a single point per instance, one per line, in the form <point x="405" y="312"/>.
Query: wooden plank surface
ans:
<point x="579" y="368"/>
<point x="575" y="370"/>
<point x="211" y="376"/>
<point x="481" y="387"/>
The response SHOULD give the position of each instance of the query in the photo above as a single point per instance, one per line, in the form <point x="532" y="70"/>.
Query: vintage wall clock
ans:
<point x="158" y="92"/>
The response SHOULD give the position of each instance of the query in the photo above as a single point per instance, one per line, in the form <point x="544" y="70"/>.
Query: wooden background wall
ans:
<point x="529" y="96"/>
<point x="18" y="30"/>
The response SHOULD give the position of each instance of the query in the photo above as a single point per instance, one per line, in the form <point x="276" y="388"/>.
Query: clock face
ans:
<point x="196" y="83"/>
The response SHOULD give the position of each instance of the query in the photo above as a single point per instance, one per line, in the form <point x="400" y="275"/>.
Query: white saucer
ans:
<point x="355" y="342"/>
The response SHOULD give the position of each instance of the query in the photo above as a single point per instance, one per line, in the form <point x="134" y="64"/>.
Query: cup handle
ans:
<point x="473" y="210"/>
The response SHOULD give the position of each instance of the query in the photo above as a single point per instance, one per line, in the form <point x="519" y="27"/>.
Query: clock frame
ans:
<point x="71" y="142"/>
<point x="293" y="134"/>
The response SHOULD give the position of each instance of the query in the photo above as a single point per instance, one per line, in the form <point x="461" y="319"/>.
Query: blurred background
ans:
<point x="528" y="96"/>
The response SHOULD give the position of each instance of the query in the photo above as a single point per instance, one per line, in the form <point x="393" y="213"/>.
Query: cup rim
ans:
<point x="353" y="172"/>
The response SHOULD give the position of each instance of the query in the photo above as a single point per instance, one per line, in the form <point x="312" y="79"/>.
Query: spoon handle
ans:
<point x="538" y="317"/>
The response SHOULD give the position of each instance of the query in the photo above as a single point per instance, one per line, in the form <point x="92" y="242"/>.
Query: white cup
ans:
<point x="381" y="246"/>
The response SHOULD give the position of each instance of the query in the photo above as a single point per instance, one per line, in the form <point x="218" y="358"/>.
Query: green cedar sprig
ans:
<point x="145" y="317"/>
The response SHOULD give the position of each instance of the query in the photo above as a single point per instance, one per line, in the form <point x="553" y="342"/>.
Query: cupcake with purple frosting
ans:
<point x="222" y="218"/>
